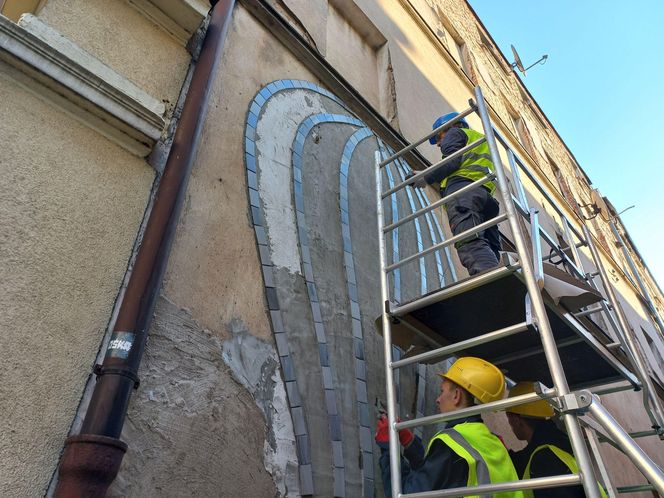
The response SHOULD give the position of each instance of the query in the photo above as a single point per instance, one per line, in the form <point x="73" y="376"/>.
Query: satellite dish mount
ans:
<point x="519" y="65"/>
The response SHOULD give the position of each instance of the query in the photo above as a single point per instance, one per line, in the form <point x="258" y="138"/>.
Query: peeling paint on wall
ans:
<point x="254" y="364"/>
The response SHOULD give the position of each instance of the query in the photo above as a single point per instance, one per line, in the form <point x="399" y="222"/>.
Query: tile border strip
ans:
<point x="333" y="413"/>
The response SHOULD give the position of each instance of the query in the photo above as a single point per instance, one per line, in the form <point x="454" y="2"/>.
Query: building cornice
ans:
<point x="50" y="65"/>
<point x="179" y="18"/>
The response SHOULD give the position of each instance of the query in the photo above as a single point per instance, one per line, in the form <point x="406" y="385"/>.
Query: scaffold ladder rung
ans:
<point x="460" y="346"/>
<point x="433" y="168"/>
<point x="503" y="487"/>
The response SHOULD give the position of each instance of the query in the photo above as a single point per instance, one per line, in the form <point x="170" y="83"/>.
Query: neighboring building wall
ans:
<point x="79" y="112"/>
<point x="70" y="208"/>
<point x="263" y="363"/>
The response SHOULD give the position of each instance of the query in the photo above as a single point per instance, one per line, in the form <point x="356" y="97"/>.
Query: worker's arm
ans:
<point x="441" y="469"/>
<point x="454" y="140"/>
<point x="545" y="464"/>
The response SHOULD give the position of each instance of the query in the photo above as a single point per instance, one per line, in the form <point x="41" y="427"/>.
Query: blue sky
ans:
<point x="601" y="88"/>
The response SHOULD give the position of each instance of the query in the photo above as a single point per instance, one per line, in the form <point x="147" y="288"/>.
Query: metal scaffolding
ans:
<point x="528" y="267"/>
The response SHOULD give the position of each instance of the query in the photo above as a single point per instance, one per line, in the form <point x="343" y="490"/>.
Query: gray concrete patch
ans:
<point x="192" y="421"/>
<point x="298" y="323"/>
<point x="320" y="178"/>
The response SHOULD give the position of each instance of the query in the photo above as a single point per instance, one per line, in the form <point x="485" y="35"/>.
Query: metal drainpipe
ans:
<point x="91" y="459"/>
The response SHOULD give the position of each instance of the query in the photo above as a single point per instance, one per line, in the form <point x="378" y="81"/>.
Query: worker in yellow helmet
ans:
<point x="548" y="453"/>
<point x="466" y="453"/>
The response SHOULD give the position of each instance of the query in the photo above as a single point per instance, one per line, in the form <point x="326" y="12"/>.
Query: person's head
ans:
<point x="437" y="139"/>
<point x="453" y="397"/>
<point x="469" y="381"/>
<point x="524" y="419"/>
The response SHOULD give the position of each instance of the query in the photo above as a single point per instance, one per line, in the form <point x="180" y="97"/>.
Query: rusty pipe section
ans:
<point x="91" y="459"/>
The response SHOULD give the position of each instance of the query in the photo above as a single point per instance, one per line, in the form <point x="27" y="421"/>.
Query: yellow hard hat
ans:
<point x="536" y="409"/>
<point x="480" y="378"/>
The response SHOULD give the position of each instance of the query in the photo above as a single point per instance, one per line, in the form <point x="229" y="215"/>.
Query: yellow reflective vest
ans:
<point x="475" y="163"/>
<point x="486" y="456"/>
<point x="564" y="457"/>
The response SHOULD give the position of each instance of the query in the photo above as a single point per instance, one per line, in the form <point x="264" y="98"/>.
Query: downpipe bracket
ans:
<point x="100" y="370"/>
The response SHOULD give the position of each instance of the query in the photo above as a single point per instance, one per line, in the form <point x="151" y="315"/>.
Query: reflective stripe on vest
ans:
<point x="475" y="163"/>
<point x="564" y="457"/>
<point x="486" y="456"/>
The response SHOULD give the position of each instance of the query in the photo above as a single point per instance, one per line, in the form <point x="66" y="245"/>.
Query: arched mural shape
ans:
<point x="285" y="187"/>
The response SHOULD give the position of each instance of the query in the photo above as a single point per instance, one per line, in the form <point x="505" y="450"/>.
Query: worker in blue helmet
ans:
<point x="480" y="252"/>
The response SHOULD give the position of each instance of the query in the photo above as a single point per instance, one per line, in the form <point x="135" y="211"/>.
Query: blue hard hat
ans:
<point x="444" y="119"/>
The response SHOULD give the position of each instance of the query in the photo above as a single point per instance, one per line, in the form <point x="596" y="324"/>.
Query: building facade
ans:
<point x="263" y="365"/>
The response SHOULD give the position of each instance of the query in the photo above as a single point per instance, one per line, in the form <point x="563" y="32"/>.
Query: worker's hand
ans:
<point x="419" y="183"/>
<point x="382" y="436"/>
<point x="406" y="436"/>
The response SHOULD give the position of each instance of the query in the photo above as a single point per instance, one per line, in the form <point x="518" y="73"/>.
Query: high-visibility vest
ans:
<point x="476" y="163"/>
<point x="486" y="456"/>
<point x="564" y="457"/>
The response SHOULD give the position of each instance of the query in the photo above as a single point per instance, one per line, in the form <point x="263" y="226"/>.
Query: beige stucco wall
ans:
<point x="626" y="406"/>
<point x="70" y="206"/>
<point x="214" y="269"/>
<point x="125" y="40"/>
<point x="348" y="52"/>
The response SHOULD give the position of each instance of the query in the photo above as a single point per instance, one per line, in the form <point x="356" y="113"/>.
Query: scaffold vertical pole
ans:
<point x="546" y="334"/>
<point x="395" y="464"/>
<point x="651" y="402"/>
<point x="637" y="277"/>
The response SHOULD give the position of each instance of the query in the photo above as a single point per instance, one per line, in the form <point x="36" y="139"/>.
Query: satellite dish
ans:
<point x="519" y="65"/>
<point x="517" y="61"/>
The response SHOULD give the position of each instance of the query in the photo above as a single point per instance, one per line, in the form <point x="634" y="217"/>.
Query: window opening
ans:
<point x="455" y="45"/>
<point x="13" y="9"/>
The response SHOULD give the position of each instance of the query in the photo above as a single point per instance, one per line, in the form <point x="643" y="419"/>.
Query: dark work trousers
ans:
<point x="480" y="252"/>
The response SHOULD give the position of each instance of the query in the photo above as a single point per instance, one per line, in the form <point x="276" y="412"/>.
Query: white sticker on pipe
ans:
<point x="120" y="345"/>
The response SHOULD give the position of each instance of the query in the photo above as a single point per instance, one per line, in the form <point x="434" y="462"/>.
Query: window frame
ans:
<point x="20" y="7"/>
<point x="460" y="52"/>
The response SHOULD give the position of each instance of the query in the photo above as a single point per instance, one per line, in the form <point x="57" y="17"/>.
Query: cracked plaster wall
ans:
<point x="213" y="295"/>
<point x="213" y="301"/>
